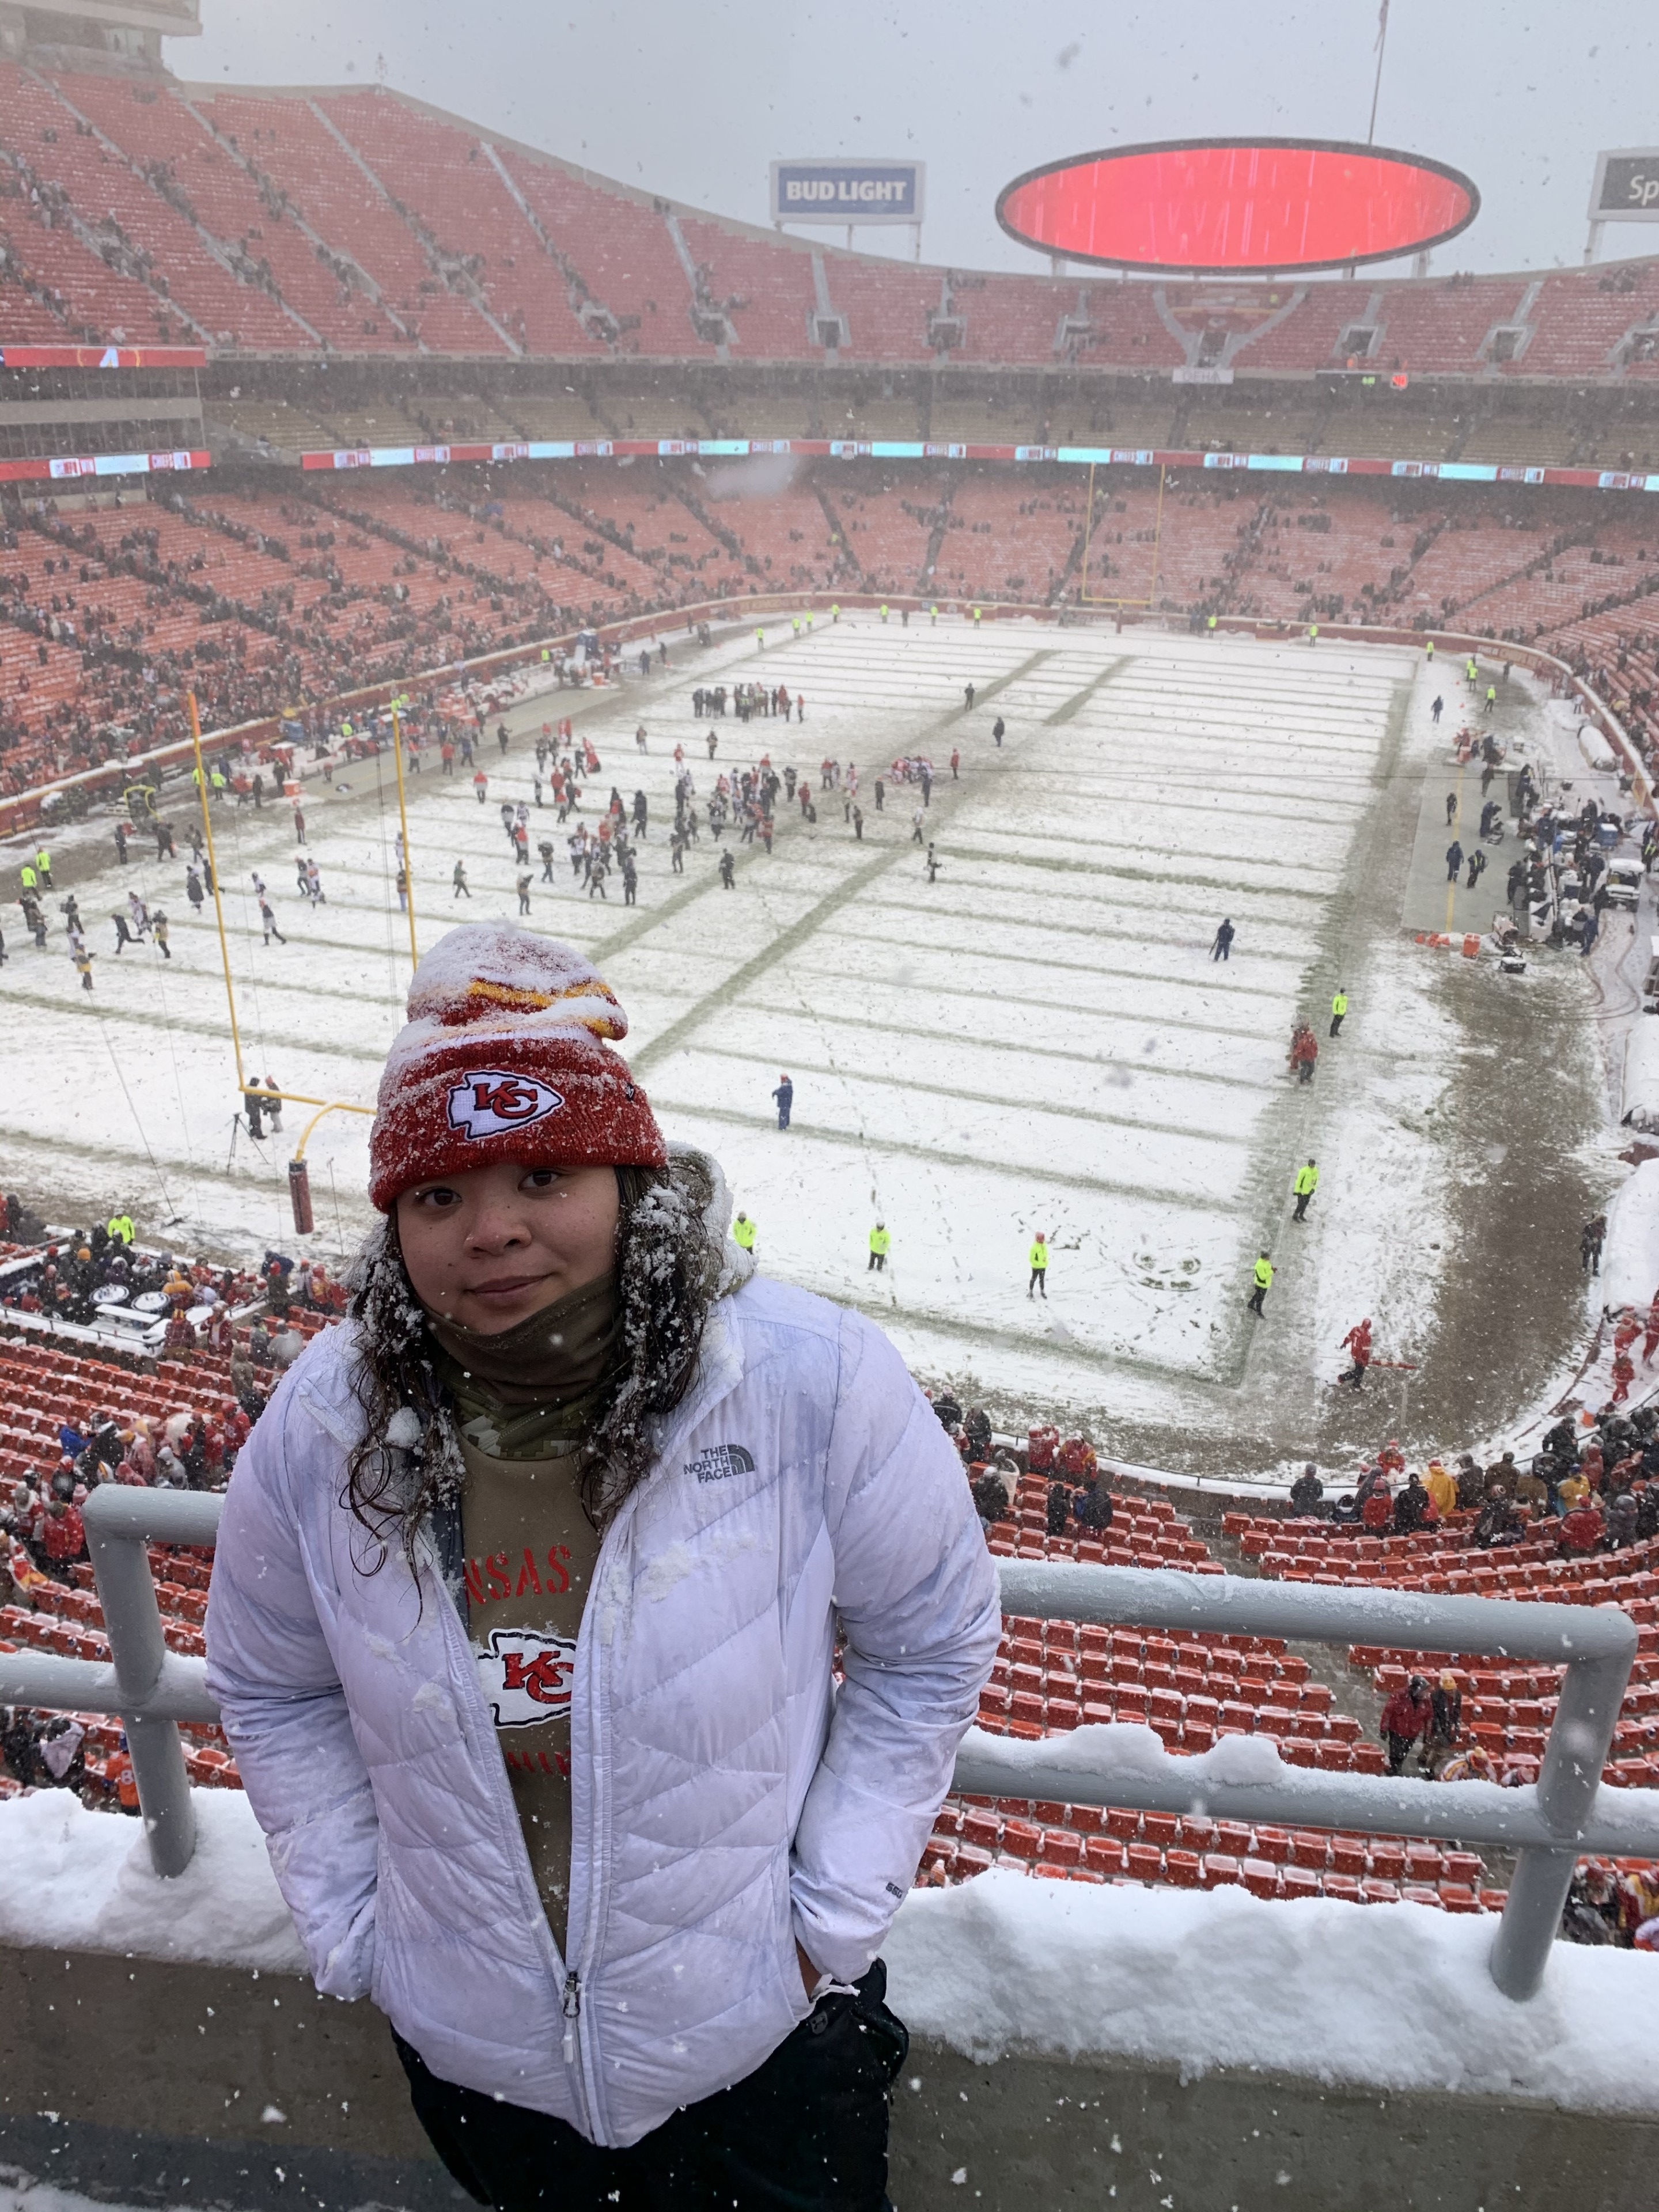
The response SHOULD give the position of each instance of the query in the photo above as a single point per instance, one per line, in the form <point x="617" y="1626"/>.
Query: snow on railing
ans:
<point x="152" y="1689"/>
<point x="1548" y="1824"/>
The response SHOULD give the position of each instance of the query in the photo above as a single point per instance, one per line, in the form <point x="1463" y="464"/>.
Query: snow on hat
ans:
<point x="506" y="1057"/>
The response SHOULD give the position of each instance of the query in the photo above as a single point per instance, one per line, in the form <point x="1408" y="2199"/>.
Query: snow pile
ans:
<point x="1630" y="1263"/>
<point x="1397" y="1996"/>
<point x="1640" y="1104"/>
<point x="83" y="1881"/>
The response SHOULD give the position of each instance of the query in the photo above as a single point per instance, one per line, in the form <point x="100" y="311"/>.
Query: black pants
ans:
<point x="1337" y="1021"/>
<point x="805" y="2132"/>
<point x="1254" y="1300"/>
<point x="1301" y="1197"/>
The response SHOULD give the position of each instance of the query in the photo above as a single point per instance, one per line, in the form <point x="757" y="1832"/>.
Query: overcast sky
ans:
<point x="693" y="101"/>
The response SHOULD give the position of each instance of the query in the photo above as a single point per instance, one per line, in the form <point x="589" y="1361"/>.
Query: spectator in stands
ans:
<point x="1405" y="1720"/>
<point x="20" y="1736"/>
<point x="1414" y="1509"/>
<point x="1582" y="1530"/>
<point x="1445" y="1720"/>
<point x="1497" y="1523"/>
<point x="991" y="1498"/>
<point x="63" y="1537"/>
<point x="507" y="1265"/>
<point x="1471" y="1482"/>
<point x="1307" y="1491"/>
<point x="1442" y="1489"/>
<point x="62" y="1752"/>
<point x="1503" y="1474"/>
<point x="1092" y="1506"/>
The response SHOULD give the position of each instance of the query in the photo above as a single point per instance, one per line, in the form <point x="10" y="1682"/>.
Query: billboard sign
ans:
<point x="1627" y="187"/>
<point x="1238" y="206"/>
<point x="848" y="192"/>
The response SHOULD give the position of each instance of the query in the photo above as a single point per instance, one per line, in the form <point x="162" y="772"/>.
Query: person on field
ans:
<point x="533" y="1589"/>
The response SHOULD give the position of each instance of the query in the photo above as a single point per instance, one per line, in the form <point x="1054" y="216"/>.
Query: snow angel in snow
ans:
<point x="522" y="1623"/>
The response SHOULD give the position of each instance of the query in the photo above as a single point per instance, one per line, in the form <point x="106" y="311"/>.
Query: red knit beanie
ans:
<point x="502" y="1059"/>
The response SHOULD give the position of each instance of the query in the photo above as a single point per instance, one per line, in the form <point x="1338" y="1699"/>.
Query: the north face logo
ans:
<point x="485" y="1102"/>
<point x="525" y="1677"/>
<point x="720" y="1460"/>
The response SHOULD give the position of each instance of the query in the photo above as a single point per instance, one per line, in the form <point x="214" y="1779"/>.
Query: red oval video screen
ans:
<point x="1256" y="206"/>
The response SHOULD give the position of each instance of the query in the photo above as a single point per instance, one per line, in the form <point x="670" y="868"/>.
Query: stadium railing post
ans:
<point x="1580" y="1738"/>
<point x="120" y="1524"/>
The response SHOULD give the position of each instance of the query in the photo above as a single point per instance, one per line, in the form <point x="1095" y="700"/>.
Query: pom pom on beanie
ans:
<point x="506" y="1056"/>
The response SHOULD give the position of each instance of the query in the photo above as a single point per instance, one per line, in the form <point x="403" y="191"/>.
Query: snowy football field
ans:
<point x="1038" y="1040"/>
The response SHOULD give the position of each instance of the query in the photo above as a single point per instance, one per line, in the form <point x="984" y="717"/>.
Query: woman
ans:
<point x="522" y="1626"/>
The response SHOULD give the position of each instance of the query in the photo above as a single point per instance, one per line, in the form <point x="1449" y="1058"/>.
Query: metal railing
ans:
<point x="151" y="1688"/>
<point x="1548" y="1824"/>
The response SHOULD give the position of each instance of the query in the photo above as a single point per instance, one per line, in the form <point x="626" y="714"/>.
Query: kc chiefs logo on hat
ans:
<point x="485" y="1102"/>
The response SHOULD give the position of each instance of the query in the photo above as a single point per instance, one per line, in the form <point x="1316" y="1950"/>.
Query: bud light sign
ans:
<point x="847" y="191"/>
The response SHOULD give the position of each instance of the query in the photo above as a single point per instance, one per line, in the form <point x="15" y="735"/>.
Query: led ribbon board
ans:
<point x="1238" y="206"/>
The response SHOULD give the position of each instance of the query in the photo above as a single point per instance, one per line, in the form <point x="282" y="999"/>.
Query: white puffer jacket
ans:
<point x="726" y="1801"/>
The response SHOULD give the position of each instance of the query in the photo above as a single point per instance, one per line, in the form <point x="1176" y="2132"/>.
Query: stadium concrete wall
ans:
<point x="135" y="2082"/>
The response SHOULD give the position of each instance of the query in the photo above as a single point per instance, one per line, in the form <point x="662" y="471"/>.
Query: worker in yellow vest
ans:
<point x="1339" y="1010"/>
<point x="884" y="609"/>
<point x="1038" y="1256"/>
<point x="1264" y="1282"/>
<point x="28" y="878"/>
<point x="1306" y="1184"/>
<point x="932" y="617"/>
<point x="120" y="1229"/>
<point x="1429" y="650"/>
<point x="744" y="1229"/>
<point x="834" y="611"/>
<point x="880" y="1244"/>
<point x="43" y="862"/>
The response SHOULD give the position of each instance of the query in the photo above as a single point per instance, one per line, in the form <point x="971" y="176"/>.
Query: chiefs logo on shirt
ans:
<point x="526" y="1676"/>
<point x="486" y="1101"/>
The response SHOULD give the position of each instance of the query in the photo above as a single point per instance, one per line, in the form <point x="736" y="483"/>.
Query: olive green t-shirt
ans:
<point x="531" y="1551"/>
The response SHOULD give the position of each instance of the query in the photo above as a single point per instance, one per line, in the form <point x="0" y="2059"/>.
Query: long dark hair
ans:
<point x="670" y="1256"/>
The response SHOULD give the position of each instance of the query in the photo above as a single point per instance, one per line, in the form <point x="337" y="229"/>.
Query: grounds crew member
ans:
<point x="1038" y="1256"/>
<point x="1306" y="1184"/>
<point x="43" y="862"/>
<point x="120" y="1229"/>
<point x="743" y="1229"/>
<point x="1339" y="1010"/>
<point x="880" y="1244"/>
<point x="1264" y="1282"/>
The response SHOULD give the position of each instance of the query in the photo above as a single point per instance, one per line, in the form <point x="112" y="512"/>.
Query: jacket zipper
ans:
<point x="577" y="2041"/>
<point x="570" y="2000"/>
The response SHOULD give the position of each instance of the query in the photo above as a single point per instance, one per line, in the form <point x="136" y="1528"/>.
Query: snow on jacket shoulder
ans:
<point x="728" y="1801"/>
